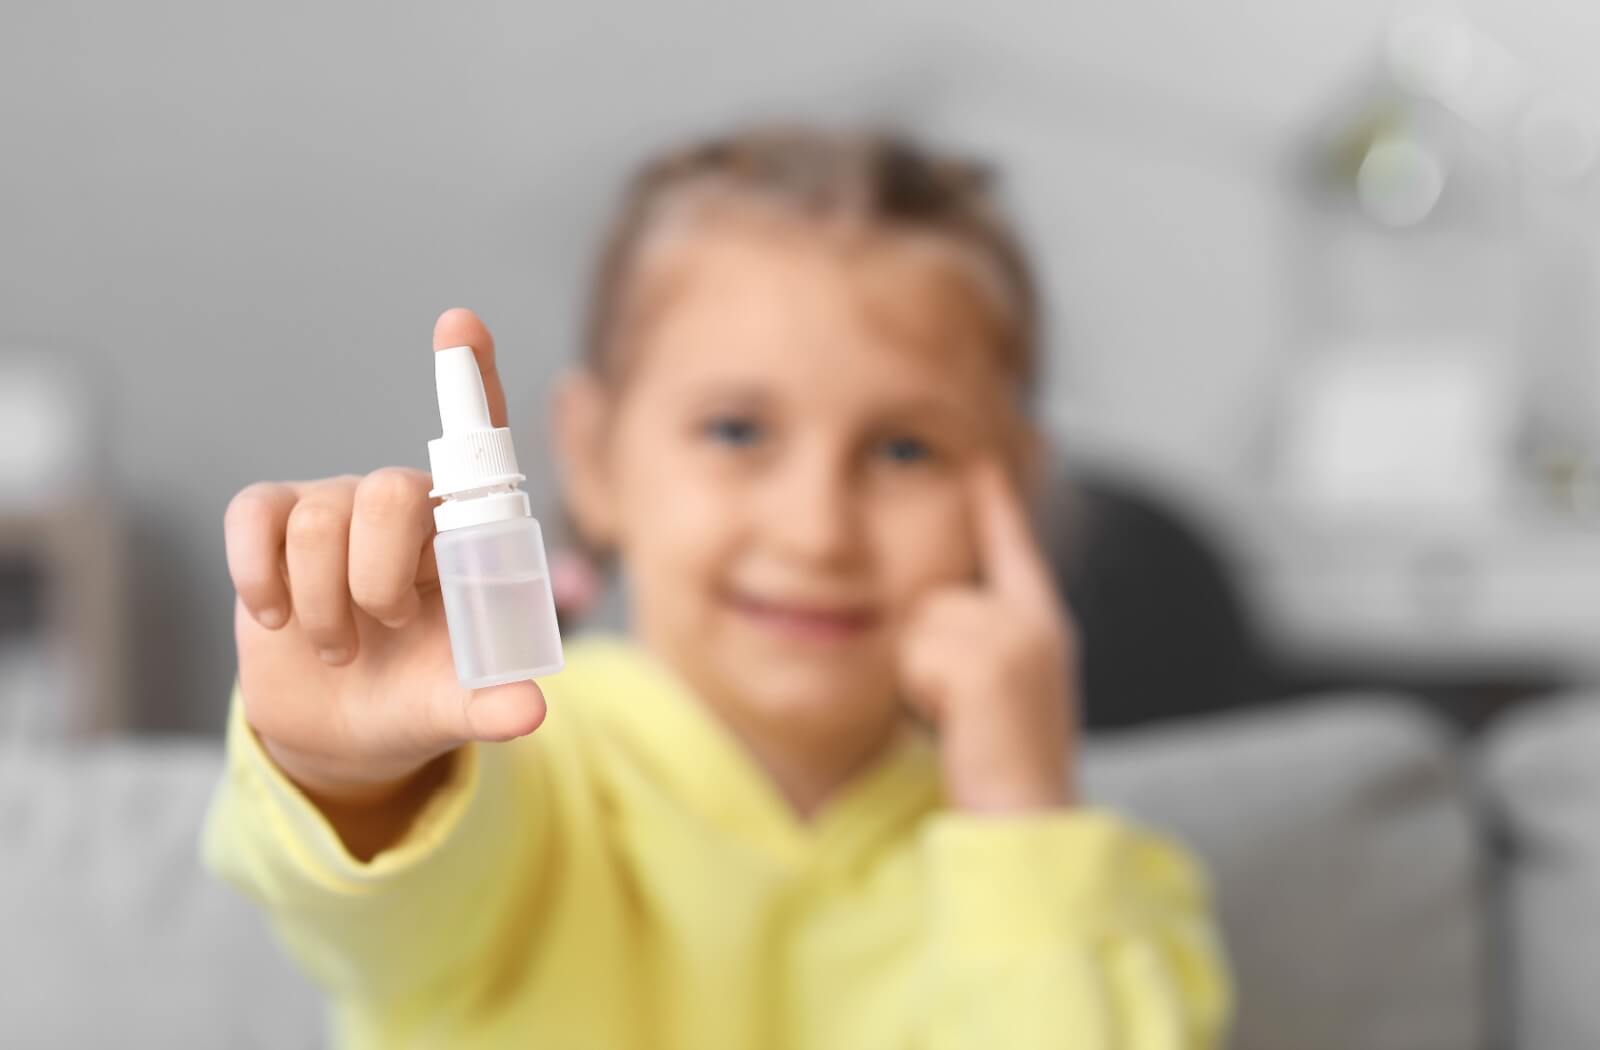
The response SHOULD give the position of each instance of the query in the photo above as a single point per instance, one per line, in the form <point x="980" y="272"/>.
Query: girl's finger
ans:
<point x="494" y="714"/>
<point x="503" y="712"/>
<point x="462" y="327"/>
<point x="317" y="549"/>
<point x="1009" y="554"/>
<point x="253" y="532"/>
<point x="390" y="525"/>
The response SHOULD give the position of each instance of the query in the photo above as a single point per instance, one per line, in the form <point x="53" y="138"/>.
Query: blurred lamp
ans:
<point x="1400" y="181"/>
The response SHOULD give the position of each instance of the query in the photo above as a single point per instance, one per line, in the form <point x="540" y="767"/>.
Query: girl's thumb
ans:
<point x="503" y="712"/>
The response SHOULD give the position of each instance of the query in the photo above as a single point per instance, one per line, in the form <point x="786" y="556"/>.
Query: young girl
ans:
<point x="824" y="796"/>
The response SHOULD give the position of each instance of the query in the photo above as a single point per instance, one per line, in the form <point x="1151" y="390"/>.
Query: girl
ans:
<point x="824" y="795"/>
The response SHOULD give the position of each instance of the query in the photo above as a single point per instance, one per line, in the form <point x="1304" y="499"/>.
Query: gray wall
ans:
<point x="241" y="220"/>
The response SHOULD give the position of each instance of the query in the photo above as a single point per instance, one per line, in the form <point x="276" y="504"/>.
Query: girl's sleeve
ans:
<point x="1069" y="929"/>
<point x="416" y="921"/>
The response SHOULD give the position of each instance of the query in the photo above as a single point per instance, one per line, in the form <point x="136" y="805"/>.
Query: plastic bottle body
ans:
<point x="498" y="604"/>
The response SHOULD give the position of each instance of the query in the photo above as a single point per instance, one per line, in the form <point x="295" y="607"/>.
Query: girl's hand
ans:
<point x="994" y="664"/>
<point x="344" y="662"/>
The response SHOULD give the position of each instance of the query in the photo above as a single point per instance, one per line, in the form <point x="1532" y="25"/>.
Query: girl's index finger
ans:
<point x="462" y="327"/>
<point x="1009" y="554"/>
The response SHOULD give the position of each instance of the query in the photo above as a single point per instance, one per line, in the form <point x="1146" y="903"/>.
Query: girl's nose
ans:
<point x="811" y="514"/>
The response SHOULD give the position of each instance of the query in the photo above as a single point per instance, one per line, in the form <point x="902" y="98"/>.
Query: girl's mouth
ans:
<point x="802" y="621"/>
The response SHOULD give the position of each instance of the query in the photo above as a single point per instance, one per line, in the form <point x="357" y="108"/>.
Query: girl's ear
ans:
<point x="579" y="426"/>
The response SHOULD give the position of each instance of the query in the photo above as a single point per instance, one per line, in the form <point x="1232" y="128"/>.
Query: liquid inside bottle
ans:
<point x="498" y="602"/>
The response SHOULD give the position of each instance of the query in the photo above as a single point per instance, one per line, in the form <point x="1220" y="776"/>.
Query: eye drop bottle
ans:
<point x="498" y="605"/>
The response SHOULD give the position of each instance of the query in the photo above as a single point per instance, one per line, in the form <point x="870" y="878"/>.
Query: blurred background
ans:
<point x="1321" y="280"/>
<point x="1325" y="382"/>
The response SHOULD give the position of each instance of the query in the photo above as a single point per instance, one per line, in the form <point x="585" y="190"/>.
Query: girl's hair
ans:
<point x="868" y="180"/>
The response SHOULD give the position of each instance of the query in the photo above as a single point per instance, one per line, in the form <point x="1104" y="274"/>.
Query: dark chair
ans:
<point x="1164" y="631"/>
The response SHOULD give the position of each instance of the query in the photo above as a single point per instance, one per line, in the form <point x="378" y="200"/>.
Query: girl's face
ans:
<point x="781" y="469"/>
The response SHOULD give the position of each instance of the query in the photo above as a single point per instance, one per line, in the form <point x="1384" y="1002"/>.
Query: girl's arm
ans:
<point x="367" y="802"/>
<point x="1054" y="926"/>
<point x="413" y="921"/>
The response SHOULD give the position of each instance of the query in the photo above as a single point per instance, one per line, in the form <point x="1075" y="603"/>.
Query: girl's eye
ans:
<point x="736" y="431"/>
<point x="906" y="450"/>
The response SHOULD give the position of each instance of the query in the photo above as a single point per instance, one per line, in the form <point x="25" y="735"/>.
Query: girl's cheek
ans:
<point x="694" y="513"/>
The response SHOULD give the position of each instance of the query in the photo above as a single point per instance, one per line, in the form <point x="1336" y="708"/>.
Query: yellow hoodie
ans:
<point x="627" y="877"/>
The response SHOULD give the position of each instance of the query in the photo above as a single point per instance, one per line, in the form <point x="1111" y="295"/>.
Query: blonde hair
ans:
<point x="873" y="181"/>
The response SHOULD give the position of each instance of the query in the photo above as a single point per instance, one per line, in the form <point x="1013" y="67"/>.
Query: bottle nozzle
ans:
<point x="463" y="405"/>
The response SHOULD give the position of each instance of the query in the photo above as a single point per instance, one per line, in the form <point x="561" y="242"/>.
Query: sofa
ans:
<point x="1384" y="882"/>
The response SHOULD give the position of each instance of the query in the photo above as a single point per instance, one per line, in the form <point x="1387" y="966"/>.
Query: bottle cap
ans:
<point x="473" y="461"/>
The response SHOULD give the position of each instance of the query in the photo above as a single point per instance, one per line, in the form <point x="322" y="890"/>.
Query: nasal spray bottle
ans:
<point x="498" y="605"/>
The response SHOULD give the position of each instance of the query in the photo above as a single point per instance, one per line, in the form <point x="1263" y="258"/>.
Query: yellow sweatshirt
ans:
<point x="627" y="877"/>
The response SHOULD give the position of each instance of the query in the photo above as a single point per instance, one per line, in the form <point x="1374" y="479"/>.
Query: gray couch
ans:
<point x="1384" y="885"/>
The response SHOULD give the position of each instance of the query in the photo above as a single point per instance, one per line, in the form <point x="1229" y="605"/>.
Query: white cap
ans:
<point x="474" y="462"/>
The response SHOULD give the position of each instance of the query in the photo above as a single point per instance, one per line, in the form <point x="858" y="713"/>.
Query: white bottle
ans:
<point x="498" y="605"/>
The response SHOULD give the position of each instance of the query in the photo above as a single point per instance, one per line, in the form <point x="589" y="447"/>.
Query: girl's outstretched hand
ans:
<point x="994" y="665"/>
<point x="344" y="662"/>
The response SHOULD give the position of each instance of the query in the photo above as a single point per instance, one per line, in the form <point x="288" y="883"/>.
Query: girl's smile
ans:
<point x="804" y="621"/>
